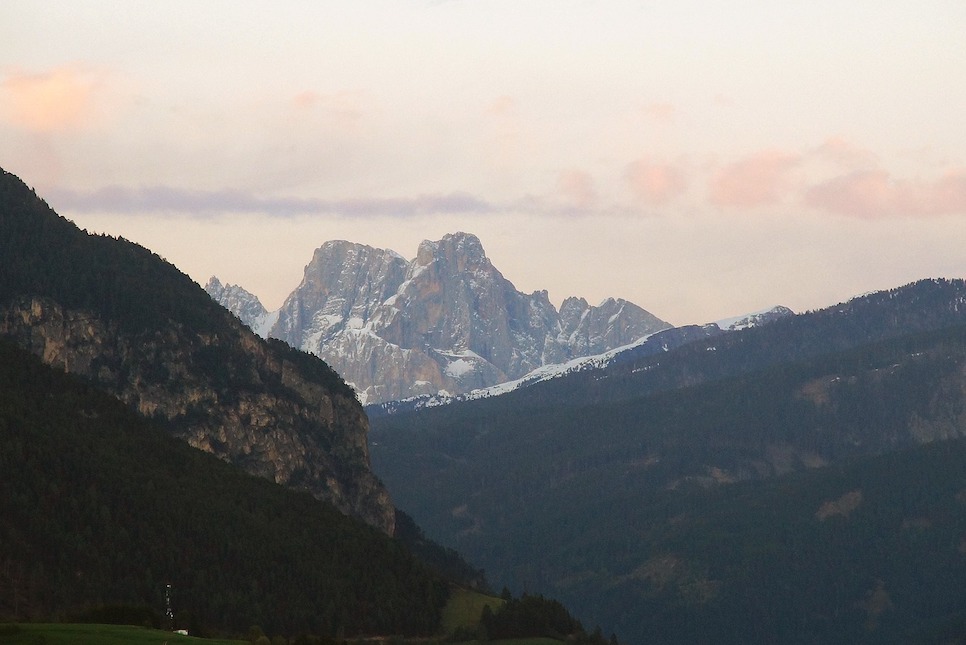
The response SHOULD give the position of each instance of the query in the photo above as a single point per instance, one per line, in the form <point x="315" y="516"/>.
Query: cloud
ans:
<point x="306" y="99"/>
<point x="759" y="179"/>
<point x="655" y="183"/>
<point x="166" y="199"/>
<point x="577" y="187"/>
<point x="662" y="112"/>
<point x="504" y="105"/>
<point x="845" y="153"/>
<point x="56" y="100"/>
<point x="346" y="106"/>
<point x="871" y="194"/>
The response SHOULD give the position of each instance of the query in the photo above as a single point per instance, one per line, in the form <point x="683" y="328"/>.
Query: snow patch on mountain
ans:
<point x="754" y="319"/>
<point x="661" y="341"/>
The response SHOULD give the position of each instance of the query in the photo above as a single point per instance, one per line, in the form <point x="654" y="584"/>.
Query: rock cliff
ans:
<point x="118" y="315"/>
<point x="234" y="395"/>
<point x="446" y="321"/>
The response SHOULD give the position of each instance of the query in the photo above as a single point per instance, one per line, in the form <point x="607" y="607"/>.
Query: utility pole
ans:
<point x="167" y="602"/>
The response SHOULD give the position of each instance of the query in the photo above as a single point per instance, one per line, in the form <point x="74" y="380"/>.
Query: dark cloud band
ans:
<point x="166" y="199"/>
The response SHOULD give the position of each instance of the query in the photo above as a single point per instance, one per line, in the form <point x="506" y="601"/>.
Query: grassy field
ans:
<point x="68" y="634"/>
<point x="516" y="641"/>
<point x="464" y="609"/>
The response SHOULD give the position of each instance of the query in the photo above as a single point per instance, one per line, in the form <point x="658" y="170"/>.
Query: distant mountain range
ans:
<point x="795" y="482"/>
<point x="656" y="343"/>
<point x="447" y="322"/>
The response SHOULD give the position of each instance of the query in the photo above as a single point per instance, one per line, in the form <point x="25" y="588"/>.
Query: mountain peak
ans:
<point x="447" y="321"/>
<point x="458" y="251"/>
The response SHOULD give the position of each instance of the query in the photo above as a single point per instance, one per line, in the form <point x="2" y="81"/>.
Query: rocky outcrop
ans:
<point x="448" y="321"/>
<point x="248" y="307"/>
<point x="261" y="406"/>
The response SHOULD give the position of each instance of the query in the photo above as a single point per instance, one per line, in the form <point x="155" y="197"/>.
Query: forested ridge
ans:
<point x="143" y="291"/>
<point x="672" y="515"/>
<point x="101" y="508"/>
<point x="687" y="356"/>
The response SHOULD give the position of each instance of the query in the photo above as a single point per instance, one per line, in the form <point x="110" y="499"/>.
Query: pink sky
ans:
<point x="701" y="159"/>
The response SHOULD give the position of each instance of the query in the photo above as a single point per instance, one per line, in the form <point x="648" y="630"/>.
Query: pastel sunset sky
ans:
<point x="700" y="158"/>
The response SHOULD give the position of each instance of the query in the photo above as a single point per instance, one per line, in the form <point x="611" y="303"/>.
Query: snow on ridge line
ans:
<point x="540" y="374"/>
<point x="748" y="319"/>
<point x="548" y="372"/>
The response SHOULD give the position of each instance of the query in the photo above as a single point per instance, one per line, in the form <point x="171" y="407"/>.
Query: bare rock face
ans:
<point x="249" y="308"/>
<point x="258" y="405"/>
<point x="614" y="323"/>
<point x="448" y="321"/>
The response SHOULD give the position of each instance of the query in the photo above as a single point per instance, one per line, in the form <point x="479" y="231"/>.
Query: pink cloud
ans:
<point x="577" y="187"/>
<point x="875" y="193"/>
<point x="759" y="179"/>
<point x="59" y="99"/>
<point x="655" y="183"/>
<point x="346" y="106"/>
<point x="843" y="152"/>
<point x="504" y="105"/>
<point x="306" y="99"/>
<point x="662" y="112"/>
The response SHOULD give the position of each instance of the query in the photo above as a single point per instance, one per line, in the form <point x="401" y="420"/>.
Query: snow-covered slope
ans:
<point x="754" y="319"/>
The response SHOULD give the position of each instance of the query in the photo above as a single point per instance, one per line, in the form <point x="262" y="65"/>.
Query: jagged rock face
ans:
<point x="249" y="402"/>
<point x="342" y="287"/>
<point x="249" y="308"/>
<point x="614" y="323"/>
<point x="447" y="321"/>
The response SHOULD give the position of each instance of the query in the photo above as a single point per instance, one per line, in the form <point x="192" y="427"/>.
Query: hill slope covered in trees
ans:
<point x="672" y="513"/>
<point x="117" y="314"/>
<point x="101" y="508"/>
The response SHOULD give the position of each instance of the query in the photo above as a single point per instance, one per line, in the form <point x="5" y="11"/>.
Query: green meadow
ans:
<point x="75" y="634"/>
<point x="82" y="634"/>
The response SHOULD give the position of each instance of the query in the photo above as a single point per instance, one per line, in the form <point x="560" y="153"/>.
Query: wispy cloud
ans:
<point x="504" y="105"/>
<point x="655" y="183"/>
<point x="661" y="112"/>
<point x="345" y="106"/>
<point x="759" y="179"/>
<point x="167" y="199"/>
<point x="846" y="153"/>
<point x="577" y="188"/>
<point x="875" y="193"/>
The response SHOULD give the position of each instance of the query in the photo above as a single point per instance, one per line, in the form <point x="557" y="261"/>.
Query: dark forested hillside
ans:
<point x="42" y="254"/>
<point x="137" y="327"/>
<point x="686" y="356"/>
<point x="99" y="508"/>
<point x="671" y="513"/>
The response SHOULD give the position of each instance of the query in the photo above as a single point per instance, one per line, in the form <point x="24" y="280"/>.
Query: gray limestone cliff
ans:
<point x="447" y="321"/>
<point x="251" y="403"/>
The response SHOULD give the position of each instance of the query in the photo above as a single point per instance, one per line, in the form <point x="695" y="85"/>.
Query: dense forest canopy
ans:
<point x="101" y="508"/>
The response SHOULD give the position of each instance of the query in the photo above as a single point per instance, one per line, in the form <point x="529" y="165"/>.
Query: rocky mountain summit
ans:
<point x="447" y="321"/>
